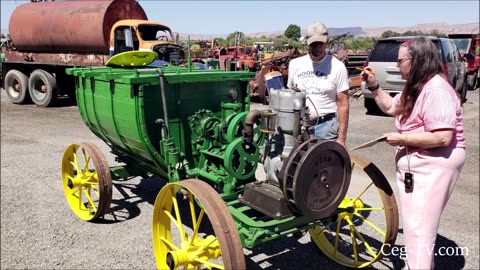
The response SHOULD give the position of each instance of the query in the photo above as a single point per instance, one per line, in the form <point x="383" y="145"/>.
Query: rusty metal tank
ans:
<point x="69" y="26"/>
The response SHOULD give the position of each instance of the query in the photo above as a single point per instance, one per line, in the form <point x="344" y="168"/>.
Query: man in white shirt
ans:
<point x="325" y="80"/>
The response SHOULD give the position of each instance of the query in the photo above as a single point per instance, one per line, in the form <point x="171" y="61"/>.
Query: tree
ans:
<point x="232" y="36"/>
<point x="389" y="33"/>
<point x="221" y="41"/>
<point x="279" y="42"/>
<point x="437" y="33"/>
<point x="293" y="32"/>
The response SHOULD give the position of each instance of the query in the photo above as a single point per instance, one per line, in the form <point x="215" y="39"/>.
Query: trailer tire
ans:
<point x="16" y="86"/>
<point x="43" y="88"/>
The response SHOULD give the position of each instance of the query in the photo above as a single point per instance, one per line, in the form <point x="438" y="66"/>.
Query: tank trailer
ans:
<point x="64" y="34"/>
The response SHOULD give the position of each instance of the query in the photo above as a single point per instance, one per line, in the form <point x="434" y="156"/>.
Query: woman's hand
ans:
<point x="368" y="75"/>
<point x="395" y="139"/>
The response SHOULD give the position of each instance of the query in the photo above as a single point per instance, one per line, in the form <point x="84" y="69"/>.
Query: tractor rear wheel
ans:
<point x="367" y="229"/>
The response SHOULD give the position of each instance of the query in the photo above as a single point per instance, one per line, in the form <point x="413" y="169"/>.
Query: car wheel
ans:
<point x="372" y="107"/>
<point x="472" y="81"/>
<point x="463" y="92"/>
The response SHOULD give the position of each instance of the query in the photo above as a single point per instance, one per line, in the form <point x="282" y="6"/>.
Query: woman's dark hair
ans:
<point x="424" y="65"/>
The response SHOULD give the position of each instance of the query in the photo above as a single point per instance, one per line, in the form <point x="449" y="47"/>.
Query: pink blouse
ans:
<point x="437" y="107"/>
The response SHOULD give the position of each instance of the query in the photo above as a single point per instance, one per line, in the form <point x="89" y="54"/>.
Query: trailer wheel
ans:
<point x="43" y="88"/>
<point x="16" y="86"/>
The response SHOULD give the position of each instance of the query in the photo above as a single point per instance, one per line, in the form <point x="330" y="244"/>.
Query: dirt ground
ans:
<point x="38" y="229"/>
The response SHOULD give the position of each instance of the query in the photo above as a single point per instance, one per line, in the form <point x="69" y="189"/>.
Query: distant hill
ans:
<point x="467" y="28"/>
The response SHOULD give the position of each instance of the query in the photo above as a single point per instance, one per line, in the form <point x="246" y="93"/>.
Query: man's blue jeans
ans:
<point x="327" y="130"/>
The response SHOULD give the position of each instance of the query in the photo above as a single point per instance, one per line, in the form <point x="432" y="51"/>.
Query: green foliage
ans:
<point x="283" y="43"/>
<point x="389" y="33"/>
<point x="221" y="41"/>
<point x="279" y="42"/>
<point x="231" y="38"/>
<point x="359" y="43"/>
<point x="435" y="33"/>
<point x="293" y="32"/>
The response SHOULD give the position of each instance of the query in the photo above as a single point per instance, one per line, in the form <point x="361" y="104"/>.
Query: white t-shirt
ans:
<point x="321" y="80"/>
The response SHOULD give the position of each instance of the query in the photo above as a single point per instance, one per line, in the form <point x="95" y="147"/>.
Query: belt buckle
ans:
<point x="312" y="121"/>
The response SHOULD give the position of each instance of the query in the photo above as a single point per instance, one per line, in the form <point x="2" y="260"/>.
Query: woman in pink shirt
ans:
<point x="430" y="144"/>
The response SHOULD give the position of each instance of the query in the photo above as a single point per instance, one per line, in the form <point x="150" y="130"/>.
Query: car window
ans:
<point x="456" y="52"/>
<point x="448" y="51"/>
<point x="387" y="50"/>
<point x="462" y="44"/>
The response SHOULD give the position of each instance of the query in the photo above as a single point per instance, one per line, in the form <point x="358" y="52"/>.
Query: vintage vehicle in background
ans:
<point x="236" y="177"/>
<point x="203" y="52"/>
<point x="279" y="63"/>
<point x="383" y="59"/>
<point x="264" y="50"/>
<point x="233" y="58"/>
<point x="469" y="47"/>
<point x="74" y="33"/>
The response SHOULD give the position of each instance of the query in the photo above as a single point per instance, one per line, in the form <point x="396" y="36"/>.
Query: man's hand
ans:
<point x="342" y="142"/>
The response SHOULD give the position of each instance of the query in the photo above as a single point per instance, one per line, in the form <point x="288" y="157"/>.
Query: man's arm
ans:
<point x="342" y="112"/>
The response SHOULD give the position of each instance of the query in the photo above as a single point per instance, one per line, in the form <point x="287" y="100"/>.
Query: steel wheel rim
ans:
<point x="221" y="249"/>
<point x="12" y="88"/>
<point x="377" y="227"/>
<point x="39" y="91"/>
<point x="86" y="181"/>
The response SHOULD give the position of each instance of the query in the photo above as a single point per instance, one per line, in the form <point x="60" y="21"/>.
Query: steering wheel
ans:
<point x="163" y="38"/>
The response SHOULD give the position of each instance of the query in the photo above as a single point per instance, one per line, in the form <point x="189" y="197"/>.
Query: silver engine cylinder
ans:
<point x="287" y="107"/>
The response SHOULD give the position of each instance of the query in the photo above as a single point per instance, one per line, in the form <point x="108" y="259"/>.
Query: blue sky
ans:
<point x="225" y="17"/>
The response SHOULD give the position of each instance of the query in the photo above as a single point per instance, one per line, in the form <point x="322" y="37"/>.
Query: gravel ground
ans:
<point x="38" y="229"/>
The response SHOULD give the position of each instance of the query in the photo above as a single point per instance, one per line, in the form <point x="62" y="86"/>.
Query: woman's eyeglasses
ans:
<point x="401" y="60"/>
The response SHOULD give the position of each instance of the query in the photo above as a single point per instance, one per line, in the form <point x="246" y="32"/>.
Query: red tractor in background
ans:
<point x="469" y="47"/>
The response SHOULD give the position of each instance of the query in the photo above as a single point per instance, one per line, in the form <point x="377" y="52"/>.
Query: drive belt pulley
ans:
<point x="316" y="178"/>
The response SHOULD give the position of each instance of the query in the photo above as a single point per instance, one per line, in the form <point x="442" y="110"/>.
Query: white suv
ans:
<point x="383" y="59"/>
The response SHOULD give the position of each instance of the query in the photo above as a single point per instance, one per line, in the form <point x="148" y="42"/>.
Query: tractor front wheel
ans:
<point x="193" y="229"/>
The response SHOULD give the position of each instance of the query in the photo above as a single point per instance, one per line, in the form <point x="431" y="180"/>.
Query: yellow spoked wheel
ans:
<point x="87" y="182"/>
<point x="368" y="228"/>
<point x="203" y="235"/>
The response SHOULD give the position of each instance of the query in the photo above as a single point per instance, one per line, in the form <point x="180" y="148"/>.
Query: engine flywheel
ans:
<point x="316" y="178"/>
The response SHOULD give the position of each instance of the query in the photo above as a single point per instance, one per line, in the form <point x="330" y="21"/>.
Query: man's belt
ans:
<point x="321" y="119"/>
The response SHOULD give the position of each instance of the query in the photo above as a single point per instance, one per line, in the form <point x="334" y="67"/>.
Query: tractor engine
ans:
<point x="284" y="122"/>
<point x="296" y="174"/>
